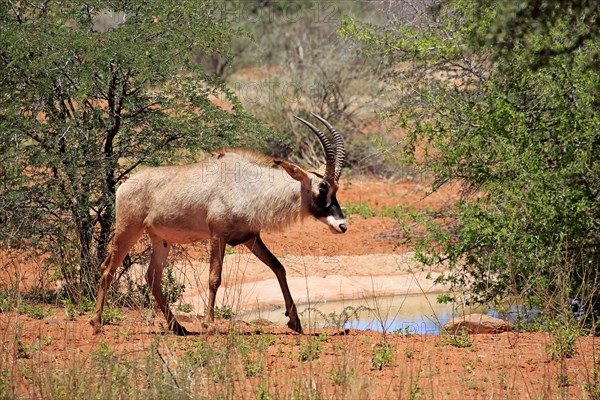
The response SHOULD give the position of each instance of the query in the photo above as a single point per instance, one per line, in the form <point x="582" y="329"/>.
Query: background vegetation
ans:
<point x="499" y="96"/>
<point x="503" y="98"/>
<point x="90" y="91"/>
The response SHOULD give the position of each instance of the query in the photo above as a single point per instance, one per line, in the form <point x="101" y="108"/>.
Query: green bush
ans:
<point x="310" y="349"/>
<point x="460" y="339"/>
<point x="88" y="95"/>
<point x="36" y="311"/>
<point x="565" y="336"/>
<point x="516" y="129"/>
<point x="382" y="355"/>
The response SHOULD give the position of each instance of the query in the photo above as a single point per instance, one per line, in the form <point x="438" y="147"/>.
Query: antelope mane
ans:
<point x="258" y="191"/>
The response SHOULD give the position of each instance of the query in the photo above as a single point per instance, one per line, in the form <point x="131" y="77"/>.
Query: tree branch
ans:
<point x="16" y="12"/>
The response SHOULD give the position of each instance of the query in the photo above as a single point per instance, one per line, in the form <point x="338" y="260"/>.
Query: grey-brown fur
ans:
<point x="228" y="198"/>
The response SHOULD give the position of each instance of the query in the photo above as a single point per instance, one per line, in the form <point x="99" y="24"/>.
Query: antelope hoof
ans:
<point x="97" y="327"/>
<point x="179" y="330"/>
<point x="208" y="321"/>
<point x="295" y="325"/>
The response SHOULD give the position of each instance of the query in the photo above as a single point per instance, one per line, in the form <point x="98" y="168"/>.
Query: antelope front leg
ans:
<point x="257" y="246"/>
<point x="217" y="252"/>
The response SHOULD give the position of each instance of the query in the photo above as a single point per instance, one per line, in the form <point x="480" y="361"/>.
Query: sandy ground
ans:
<point x="321" y="267"/>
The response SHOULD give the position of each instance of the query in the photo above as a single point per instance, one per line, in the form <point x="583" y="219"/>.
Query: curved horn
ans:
<point x="330" y="156"/>
<point x="340" y="152"/>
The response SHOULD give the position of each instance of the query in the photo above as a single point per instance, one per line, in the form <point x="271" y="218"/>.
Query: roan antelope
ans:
<point x="229" y="199"/>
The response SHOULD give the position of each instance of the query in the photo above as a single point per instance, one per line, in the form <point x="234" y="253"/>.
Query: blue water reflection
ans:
<point x="405" y="320"/>
<point x="417" y="314"/>
<point x="412" y="314"/>
<point x="429" y="325"/>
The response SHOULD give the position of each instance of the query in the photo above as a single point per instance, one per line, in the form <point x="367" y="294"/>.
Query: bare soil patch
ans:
<point x="509" y="365"/>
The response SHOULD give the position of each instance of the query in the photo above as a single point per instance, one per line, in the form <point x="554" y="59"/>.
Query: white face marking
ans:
<point x="334" y="223"/>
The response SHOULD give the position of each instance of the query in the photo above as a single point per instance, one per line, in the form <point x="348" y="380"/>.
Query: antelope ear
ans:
<point x="320" y="172"/>
<point x="296" y="173"/>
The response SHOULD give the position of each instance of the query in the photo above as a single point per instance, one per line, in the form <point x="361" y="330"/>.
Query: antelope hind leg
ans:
<point x="115" y="257"/>
<point x="160" y="251"/>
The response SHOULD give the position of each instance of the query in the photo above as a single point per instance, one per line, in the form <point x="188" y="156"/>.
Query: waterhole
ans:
<point x="408" y="314"/>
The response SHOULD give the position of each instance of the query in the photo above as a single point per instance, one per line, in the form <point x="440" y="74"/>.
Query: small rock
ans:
<point x="478" y="323"/>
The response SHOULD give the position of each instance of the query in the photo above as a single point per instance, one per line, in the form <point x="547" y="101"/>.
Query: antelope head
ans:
<point x="322" y="203"/>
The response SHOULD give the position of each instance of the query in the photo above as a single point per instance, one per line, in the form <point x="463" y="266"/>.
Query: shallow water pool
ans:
<point x="416" y="314"/>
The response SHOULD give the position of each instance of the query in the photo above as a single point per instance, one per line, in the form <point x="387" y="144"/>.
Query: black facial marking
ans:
<point x="165" y="244"/>
<point x="321" y="198"/>
<point x="320" y="209"/>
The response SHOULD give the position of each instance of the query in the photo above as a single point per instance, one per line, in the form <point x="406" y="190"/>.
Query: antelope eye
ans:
<point x="323" y="188"/>
<point x="322" y="200"/>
